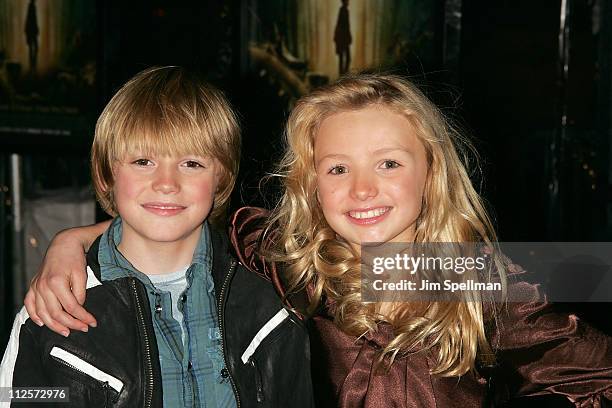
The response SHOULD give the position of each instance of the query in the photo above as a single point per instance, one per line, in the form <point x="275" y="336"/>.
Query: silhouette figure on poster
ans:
<point x="31" y="32"/>
<point x="343" y="39"/>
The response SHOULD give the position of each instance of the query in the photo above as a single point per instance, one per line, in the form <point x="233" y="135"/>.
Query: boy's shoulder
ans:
<point x="93" y="279"/>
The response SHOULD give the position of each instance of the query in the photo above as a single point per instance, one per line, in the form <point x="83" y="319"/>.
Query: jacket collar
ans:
<point x="222" y="258"/>
<point x="92" y="258"/>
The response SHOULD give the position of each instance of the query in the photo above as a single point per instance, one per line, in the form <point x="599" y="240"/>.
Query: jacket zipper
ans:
<point x="106" y="387"/>
<point x="78" y="364"/>
<point x="258" y="382"/>
<point x="221" y="326"/>
<point x="193" y="382"/>
<point x="145" y="335"/>
<point x="104" y="384"/>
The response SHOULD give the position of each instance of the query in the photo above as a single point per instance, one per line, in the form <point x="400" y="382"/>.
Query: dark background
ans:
<point x="498" y="71"/>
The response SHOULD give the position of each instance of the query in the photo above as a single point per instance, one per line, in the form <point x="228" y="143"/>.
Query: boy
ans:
<point x="180" y="321"/>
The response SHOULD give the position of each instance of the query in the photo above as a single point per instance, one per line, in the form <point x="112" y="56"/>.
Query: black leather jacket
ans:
<point x="277" y="374"/>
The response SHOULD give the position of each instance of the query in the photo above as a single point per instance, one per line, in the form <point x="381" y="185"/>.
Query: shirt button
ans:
<point x="183" y="298"/>
<point x="158" y="308"/>
<point x="189" y="365"/>
<point x="224" y="373"/>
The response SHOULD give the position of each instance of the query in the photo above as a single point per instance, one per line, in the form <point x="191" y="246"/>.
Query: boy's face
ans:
<point x="164" y="199"/>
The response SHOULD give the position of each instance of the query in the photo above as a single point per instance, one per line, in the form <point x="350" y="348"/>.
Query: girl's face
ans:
<point x="371" y="171"/>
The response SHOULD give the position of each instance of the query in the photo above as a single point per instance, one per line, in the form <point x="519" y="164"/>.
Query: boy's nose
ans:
<point x="166" y="181"/>
<point x="363" y="187"/>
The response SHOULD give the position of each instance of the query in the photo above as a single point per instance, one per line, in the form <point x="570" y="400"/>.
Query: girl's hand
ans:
<point x="58" y="290"/>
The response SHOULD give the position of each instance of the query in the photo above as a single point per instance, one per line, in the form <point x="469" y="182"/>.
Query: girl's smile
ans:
<point x="368" y="216"/>
<point x="371" y="171"/>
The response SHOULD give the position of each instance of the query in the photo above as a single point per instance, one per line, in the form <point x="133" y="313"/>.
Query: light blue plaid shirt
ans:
<point x="191" y="372"/>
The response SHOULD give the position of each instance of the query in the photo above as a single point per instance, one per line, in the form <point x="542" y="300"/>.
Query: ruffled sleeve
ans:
<point x="541" y="351"/>
<point x="247" y="225"/>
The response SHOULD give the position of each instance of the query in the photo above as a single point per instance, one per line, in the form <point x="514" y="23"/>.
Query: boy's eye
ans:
<point x="390" y="164"/>
<point x="192" y="164"/>
<point x="142" y="162"/>
<point x="338" y="170"/>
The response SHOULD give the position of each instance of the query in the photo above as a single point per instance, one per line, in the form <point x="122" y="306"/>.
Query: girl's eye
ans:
<point x="192" y="164"/>
<point x="142" y="162"/>
<point x="390" y="164"/>
<point x="338" y="170"/>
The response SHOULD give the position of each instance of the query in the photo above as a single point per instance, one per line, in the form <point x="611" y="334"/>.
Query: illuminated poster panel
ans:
<point x="47" y="68"/>
<point x="302" y="44"/>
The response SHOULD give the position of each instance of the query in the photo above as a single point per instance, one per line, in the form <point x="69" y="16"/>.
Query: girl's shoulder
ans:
<point x="250" y="242"/>
<point x="246" y="232"/>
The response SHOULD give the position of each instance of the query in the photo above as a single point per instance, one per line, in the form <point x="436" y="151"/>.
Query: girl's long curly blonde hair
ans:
<point x="452" y="211"/>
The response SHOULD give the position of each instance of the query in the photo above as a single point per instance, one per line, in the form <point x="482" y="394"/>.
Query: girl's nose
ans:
<point x="364" y="187"/>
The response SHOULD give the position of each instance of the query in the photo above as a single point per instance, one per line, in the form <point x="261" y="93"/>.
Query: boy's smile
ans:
<point x="371" y="171"/>
<point x="163" y="209"/>
<point x="163" y="201"/>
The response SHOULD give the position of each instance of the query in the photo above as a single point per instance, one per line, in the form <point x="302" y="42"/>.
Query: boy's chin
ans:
<point x="165" y="236"/>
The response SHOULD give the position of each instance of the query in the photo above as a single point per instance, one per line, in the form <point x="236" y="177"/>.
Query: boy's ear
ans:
<point x="107" y="189"/>
<point x="219" y="173"/>
<point x="105" y="186"/>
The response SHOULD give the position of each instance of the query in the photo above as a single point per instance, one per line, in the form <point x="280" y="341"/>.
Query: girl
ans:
<point x="370" y="159"/>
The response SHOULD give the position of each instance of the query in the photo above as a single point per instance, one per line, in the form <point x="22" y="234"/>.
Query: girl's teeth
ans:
<point x="368" y="214"/>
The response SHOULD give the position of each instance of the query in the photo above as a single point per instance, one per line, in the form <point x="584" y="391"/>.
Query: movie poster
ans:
<point x="47" y="65"/>
<point x="305" y="43"/>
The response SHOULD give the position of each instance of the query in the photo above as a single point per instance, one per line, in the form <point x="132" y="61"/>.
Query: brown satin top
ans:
<point x="539" y="352"/>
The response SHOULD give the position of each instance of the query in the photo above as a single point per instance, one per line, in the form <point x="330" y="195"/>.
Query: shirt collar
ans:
<point x="114" y="265"/>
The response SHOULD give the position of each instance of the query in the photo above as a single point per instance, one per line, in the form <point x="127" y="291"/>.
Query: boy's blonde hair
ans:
<point x="452" y="211"/>
<point x="166" y="111"/>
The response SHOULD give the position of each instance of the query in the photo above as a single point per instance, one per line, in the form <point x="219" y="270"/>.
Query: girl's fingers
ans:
<point x="55" y="317"/>
<point x="30" y="305"/>
<point x="48" y="321"/>
<point x="69" y="302"/>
